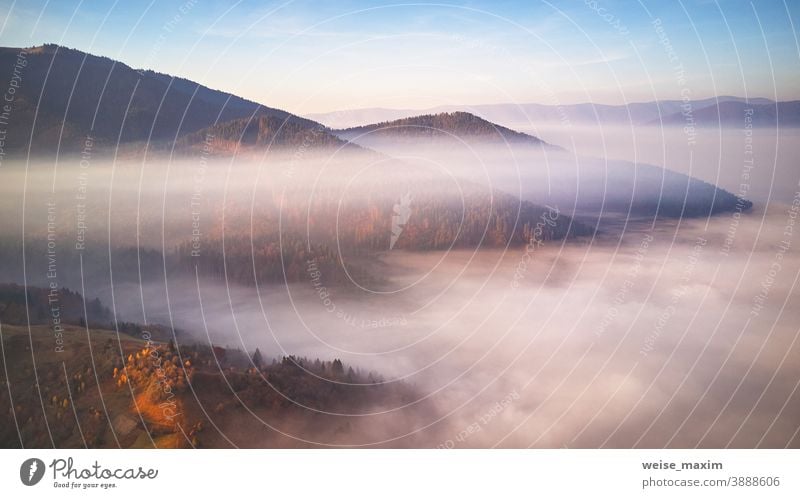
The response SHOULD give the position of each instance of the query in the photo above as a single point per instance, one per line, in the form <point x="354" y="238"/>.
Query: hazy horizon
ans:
<point x="441" y="54"/>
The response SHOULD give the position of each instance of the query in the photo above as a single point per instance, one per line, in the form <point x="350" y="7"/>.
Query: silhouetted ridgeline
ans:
<point x="735" y="114"/>
<point x="79" y="95"/>
<point x="655" y="113"/>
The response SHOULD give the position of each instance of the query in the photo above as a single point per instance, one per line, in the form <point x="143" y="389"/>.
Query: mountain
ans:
<point x="65" y="95"/>
<point x="601" y="186"/>
<point x="733" y="114"/>
<point x="587" y="186"/>
<point x="461" y="126"/>
<point x="514" y="115"/>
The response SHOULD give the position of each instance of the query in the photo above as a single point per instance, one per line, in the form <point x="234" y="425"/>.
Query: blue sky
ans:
<point x="321" y="56"/>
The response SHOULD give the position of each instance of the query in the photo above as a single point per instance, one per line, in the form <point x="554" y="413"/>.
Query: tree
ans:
<point x="258" y="360"/>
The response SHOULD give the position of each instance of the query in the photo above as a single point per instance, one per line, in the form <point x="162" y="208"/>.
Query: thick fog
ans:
<point x="723" y="157"/>
<point x="662" y="339"/>
<point x="651" y="333"/>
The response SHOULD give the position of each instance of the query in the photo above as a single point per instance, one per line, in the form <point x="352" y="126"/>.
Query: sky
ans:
<point x="308" y="57"/>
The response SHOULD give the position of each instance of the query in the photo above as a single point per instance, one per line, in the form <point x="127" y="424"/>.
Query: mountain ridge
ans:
<point x="255" y="132"/>
<point x="739" y="114"/>
<point x="459" y="125"/>
<point x="513" y="114"/>
<point x="66" y="95"/>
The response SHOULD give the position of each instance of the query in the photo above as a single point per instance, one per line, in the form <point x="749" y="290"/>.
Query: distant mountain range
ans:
<point x="737" y="114"/>
<point x="725" y="111"/>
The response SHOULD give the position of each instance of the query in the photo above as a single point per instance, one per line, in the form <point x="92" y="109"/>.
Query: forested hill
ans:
<point x="110" y="390"/>
<point x="260" y="131"/>
<point x="74" y="95"/>
<point x="458" y="125"/>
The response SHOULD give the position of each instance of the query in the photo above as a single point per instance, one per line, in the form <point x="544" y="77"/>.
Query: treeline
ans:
<point x="442" y="125"/>
<point x="266" y="131"/>
<point x="327" y="231"/>
<point x="166" y="393"/>
<point x="288" y="382"/>
<point x="267" y="259"/>
<point x="67" y="306"/>
<point x="37" y="305"/>
<point x="269" y="243"/>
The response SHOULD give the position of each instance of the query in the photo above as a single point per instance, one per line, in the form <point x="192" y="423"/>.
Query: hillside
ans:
<point x="259" y="132"/>
<point x="110" y="391"/>
<point x="461" y="126"/>
<point x="20" y="305"/>
<point x="65" y="95"/>
<point x="276" y="245"/>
